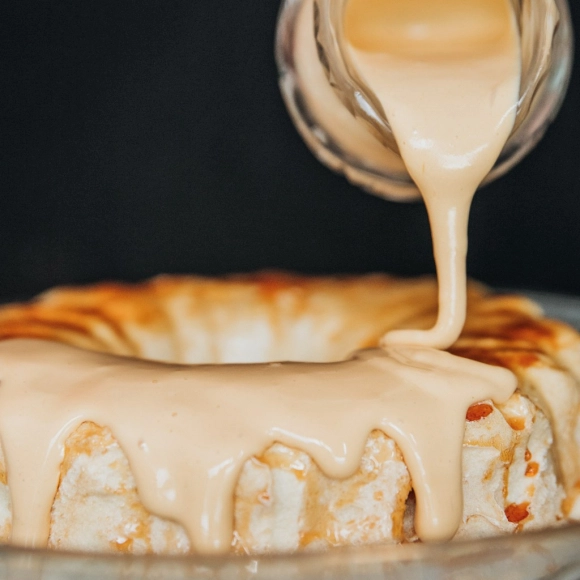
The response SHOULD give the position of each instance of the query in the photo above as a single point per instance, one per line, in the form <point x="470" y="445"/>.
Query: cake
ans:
<point x="521" y="466"/>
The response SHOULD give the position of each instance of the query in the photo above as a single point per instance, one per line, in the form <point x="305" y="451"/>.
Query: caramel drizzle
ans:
<point x="187" y="430"/>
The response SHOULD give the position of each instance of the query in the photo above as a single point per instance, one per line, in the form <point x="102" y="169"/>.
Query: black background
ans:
<point x="146" y="137"/>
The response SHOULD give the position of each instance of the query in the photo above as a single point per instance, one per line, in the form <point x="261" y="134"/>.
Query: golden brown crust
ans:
<point x="504" y="330"/>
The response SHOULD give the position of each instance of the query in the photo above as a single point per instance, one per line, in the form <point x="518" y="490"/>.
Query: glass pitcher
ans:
<point x="345" y="129"/>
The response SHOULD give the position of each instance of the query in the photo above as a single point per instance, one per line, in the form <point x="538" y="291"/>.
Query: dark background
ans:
<point x="146" y="137"/>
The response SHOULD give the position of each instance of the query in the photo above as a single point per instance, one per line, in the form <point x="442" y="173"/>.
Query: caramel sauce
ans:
<point x="532" y="469"/>
<point x="516" y="513"/>
<point x="478" y="412"/>
<point x="187" y="430"/>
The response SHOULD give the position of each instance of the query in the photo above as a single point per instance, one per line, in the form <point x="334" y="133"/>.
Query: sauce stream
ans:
<point x="447" y="75"/>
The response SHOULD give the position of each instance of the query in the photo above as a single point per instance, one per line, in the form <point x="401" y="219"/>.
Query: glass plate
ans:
<point x="553" y="554"/>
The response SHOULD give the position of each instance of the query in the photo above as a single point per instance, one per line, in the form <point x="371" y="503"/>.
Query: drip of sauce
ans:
<point x="187" y="430"/>
<point x="447" y="75"/>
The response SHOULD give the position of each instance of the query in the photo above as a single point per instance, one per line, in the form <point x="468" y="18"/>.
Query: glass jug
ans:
<point x="344" y="128"/>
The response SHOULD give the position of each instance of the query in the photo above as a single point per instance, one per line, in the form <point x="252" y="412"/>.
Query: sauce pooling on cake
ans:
<point x="188" y="430"/>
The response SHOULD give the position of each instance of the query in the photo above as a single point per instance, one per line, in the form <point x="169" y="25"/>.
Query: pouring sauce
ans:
<point x="447" y="75"/>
